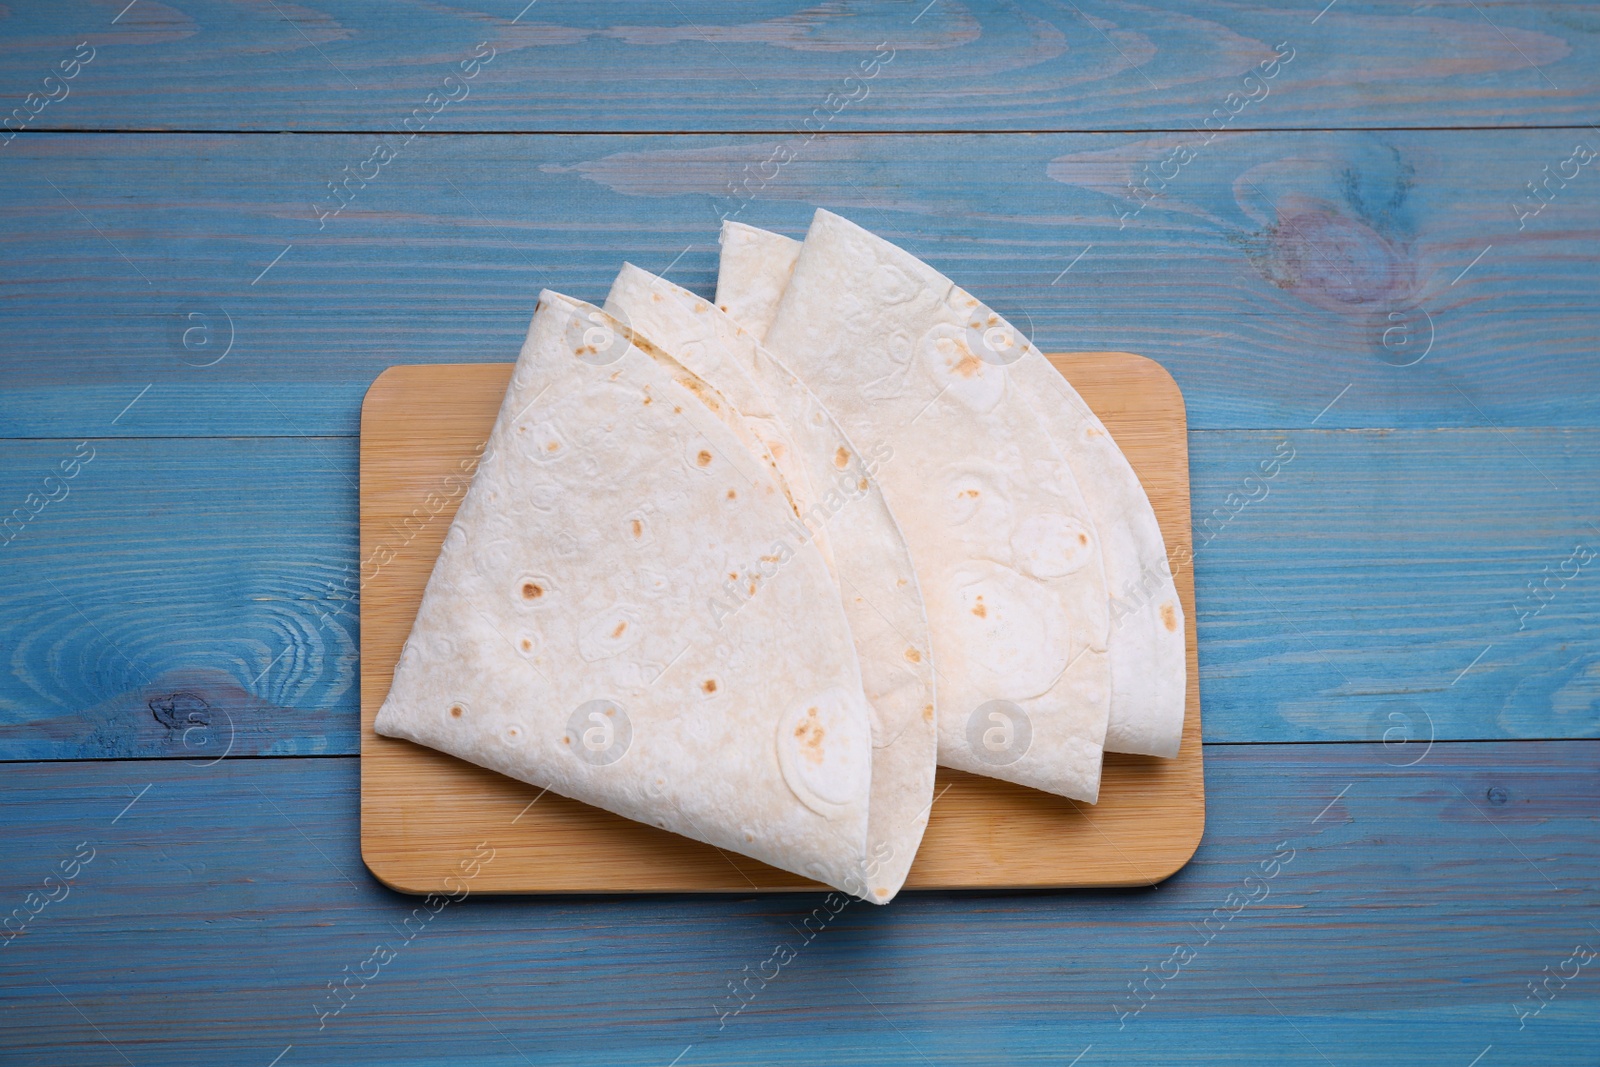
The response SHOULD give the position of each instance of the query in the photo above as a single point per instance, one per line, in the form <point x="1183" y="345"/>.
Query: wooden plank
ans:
<point x="1388" y="584"/>
<point x="421" y="426"/>
<point x="1344" y="605"/>
<point x="1273" y="271"/>
<point x="179" y="599"/>
<point x="698" y="65"/>
<point x="230" y="897"/>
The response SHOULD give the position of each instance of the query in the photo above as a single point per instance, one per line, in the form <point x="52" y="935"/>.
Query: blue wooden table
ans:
<point x="1364" y="230"/>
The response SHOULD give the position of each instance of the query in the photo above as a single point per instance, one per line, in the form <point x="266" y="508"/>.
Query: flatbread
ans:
<point x="1146" y="643"/>
<point x="752" y="273"/>
<point x="1008" y="559"/>
<point x="835" y="493"/>
<point x="565" y="637"/>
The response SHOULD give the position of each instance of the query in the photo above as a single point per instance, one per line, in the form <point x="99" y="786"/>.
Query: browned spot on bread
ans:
<point x="913" y="655"/>
<point x="967" y="366"/>
<point x="970" y="494"/>
<point x="1169" y="617"/>
<point x="703" y="458"/>
<point x="553" y="446"/>
<point x="810" y="733"/>
<point x="979" y="610"/>
<point x="621" y="626"/>
<point x="676" y="410"/>
<point x="733" y="576"/>
<point x="927" y="713"/>
<point x="709" y="685"/>
<point x="698" y="388"/>
<point x="647" y="399"/>
<point x="1094" y="431"/>
<point x="527" y="646"/>
<point x="862" y="485"/>
<point x="638" y="528"/>
<point x="455" y="711"/>
<point x="732" y="495"/>
<point x="840" y="458"/>
<point x="776" y="448"/>
<point x="532" y="590"/>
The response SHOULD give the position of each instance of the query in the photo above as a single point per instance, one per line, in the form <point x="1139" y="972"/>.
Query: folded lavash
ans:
<point x="566" y="637"/>
<point x="1146" y="645"/>
<point x="752" y="272"/>
<point x="999" y="531"/>
<point x="834" y="494"/>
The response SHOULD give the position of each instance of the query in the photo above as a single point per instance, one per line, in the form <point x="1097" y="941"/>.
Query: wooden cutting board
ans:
<point x="426" y="816"/>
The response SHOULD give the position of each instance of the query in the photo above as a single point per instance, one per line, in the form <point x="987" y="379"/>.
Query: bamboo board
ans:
<point x="426" y="816"/>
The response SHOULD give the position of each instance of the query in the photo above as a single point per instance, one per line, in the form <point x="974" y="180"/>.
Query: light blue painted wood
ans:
<point x="181" y="592"/>
<point x="1381" y="585"/>
<point x="718" y="66"/>
<point x="1274" y="270"/>
<point x="1409" y="910"/>
<point x="180" y="598"/>
<point x="1350" y="602"/>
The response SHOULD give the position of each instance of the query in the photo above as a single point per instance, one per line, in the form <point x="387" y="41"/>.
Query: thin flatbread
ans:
<point x="1147" y="650"/>
<point x="752" y="273"/>
<point x="835" y="493"/>
<point x="1008" y="559"/>
<point x="564" y="636"/>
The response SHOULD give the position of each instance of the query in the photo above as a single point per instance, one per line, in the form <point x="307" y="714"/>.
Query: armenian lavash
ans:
<point x="835" y="493"/>
<point x="748" y="591"/>
<point x="1007" y="557"/>
<point x="567" y="636"/>
<point x="1145" y="645"/>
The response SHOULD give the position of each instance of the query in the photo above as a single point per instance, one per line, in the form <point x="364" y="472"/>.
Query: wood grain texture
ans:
<point x="422" y="810"/>
<point x="717" y="66"/>
<point x="1402" y="585"/>
<point x="1351" y="602"/>
<point x="1273" y="271"/>
<point x="1418" y="903"/>
<point x="1343" y="605"/>
<point x="180" y="599"/>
